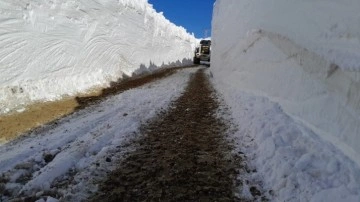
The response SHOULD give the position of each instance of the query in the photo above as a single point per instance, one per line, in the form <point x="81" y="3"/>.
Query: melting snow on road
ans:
<point x="80" y="148"/>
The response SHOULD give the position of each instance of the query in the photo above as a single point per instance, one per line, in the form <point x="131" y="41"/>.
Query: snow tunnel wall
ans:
<point x="303" y="55"/>
<point x="63" y="47"/>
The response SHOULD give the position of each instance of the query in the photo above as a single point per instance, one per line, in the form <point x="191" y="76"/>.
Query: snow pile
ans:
<point x="293" y="163"/>
<point x="55" y="48"/>
<point x="290" y="72"/>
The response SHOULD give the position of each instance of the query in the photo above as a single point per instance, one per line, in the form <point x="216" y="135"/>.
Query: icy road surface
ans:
<point x="85" y="141"/>
<point x="283" y="159"/>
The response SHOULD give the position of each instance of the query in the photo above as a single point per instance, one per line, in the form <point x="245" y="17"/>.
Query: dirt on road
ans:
<point x="15" y="124"/>
<point x="183" y="154"/>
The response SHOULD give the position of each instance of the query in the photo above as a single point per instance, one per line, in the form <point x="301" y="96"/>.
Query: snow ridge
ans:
<point x="63" y="47"/>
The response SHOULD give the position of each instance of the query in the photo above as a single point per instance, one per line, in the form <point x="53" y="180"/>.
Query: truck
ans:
<point x="202" y="52"/>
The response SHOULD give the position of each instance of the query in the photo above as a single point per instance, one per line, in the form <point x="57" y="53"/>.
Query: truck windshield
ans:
<point x="205" y="50"/>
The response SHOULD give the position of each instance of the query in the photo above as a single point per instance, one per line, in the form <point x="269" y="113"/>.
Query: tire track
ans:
<point x="182" y="156"/>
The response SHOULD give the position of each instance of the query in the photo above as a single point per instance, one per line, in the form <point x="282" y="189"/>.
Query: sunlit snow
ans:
<point x="287" y="69"/>
<point x="290" y="72"/>
<point x="54" y="48"/>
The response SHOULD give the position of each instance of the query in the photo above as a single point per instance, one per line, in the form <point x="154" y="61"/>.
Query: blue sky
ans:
<point x="193" y="15"/>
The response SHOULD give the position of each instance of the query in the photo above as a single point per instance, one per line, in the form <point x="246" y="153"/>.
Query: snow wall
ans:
<point x="62" y="47"/>
<point x="304" y="55"/>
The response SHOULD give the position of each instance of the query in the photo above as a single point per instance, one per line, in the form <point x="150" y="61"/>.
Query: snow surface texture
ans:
<point x="299" y="113"/>
<point x="308" y="87"/>
<point x="63" y="47"/>
<point x="82" y="142"/>
<point x="291" y="161"/>
<point x="329" y="28"/>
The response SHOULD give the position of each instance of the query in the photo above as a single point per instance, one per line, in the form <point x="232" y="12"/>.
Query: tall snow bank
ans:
<point x="303" y="56"/>
<point x="267" y="52"/>
<point x="329" y="28"/>
<point x="53" y="48"/>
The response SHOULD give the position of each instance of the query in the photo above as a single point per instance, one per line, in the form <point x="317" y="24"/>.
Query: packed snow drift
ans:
<point x="54" y="48"/>
<point x="290" y="72"/>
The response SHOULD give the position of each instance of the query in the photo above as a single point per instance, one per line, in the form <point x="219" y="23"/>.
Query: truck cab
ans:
<point x="202" y="52"/>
